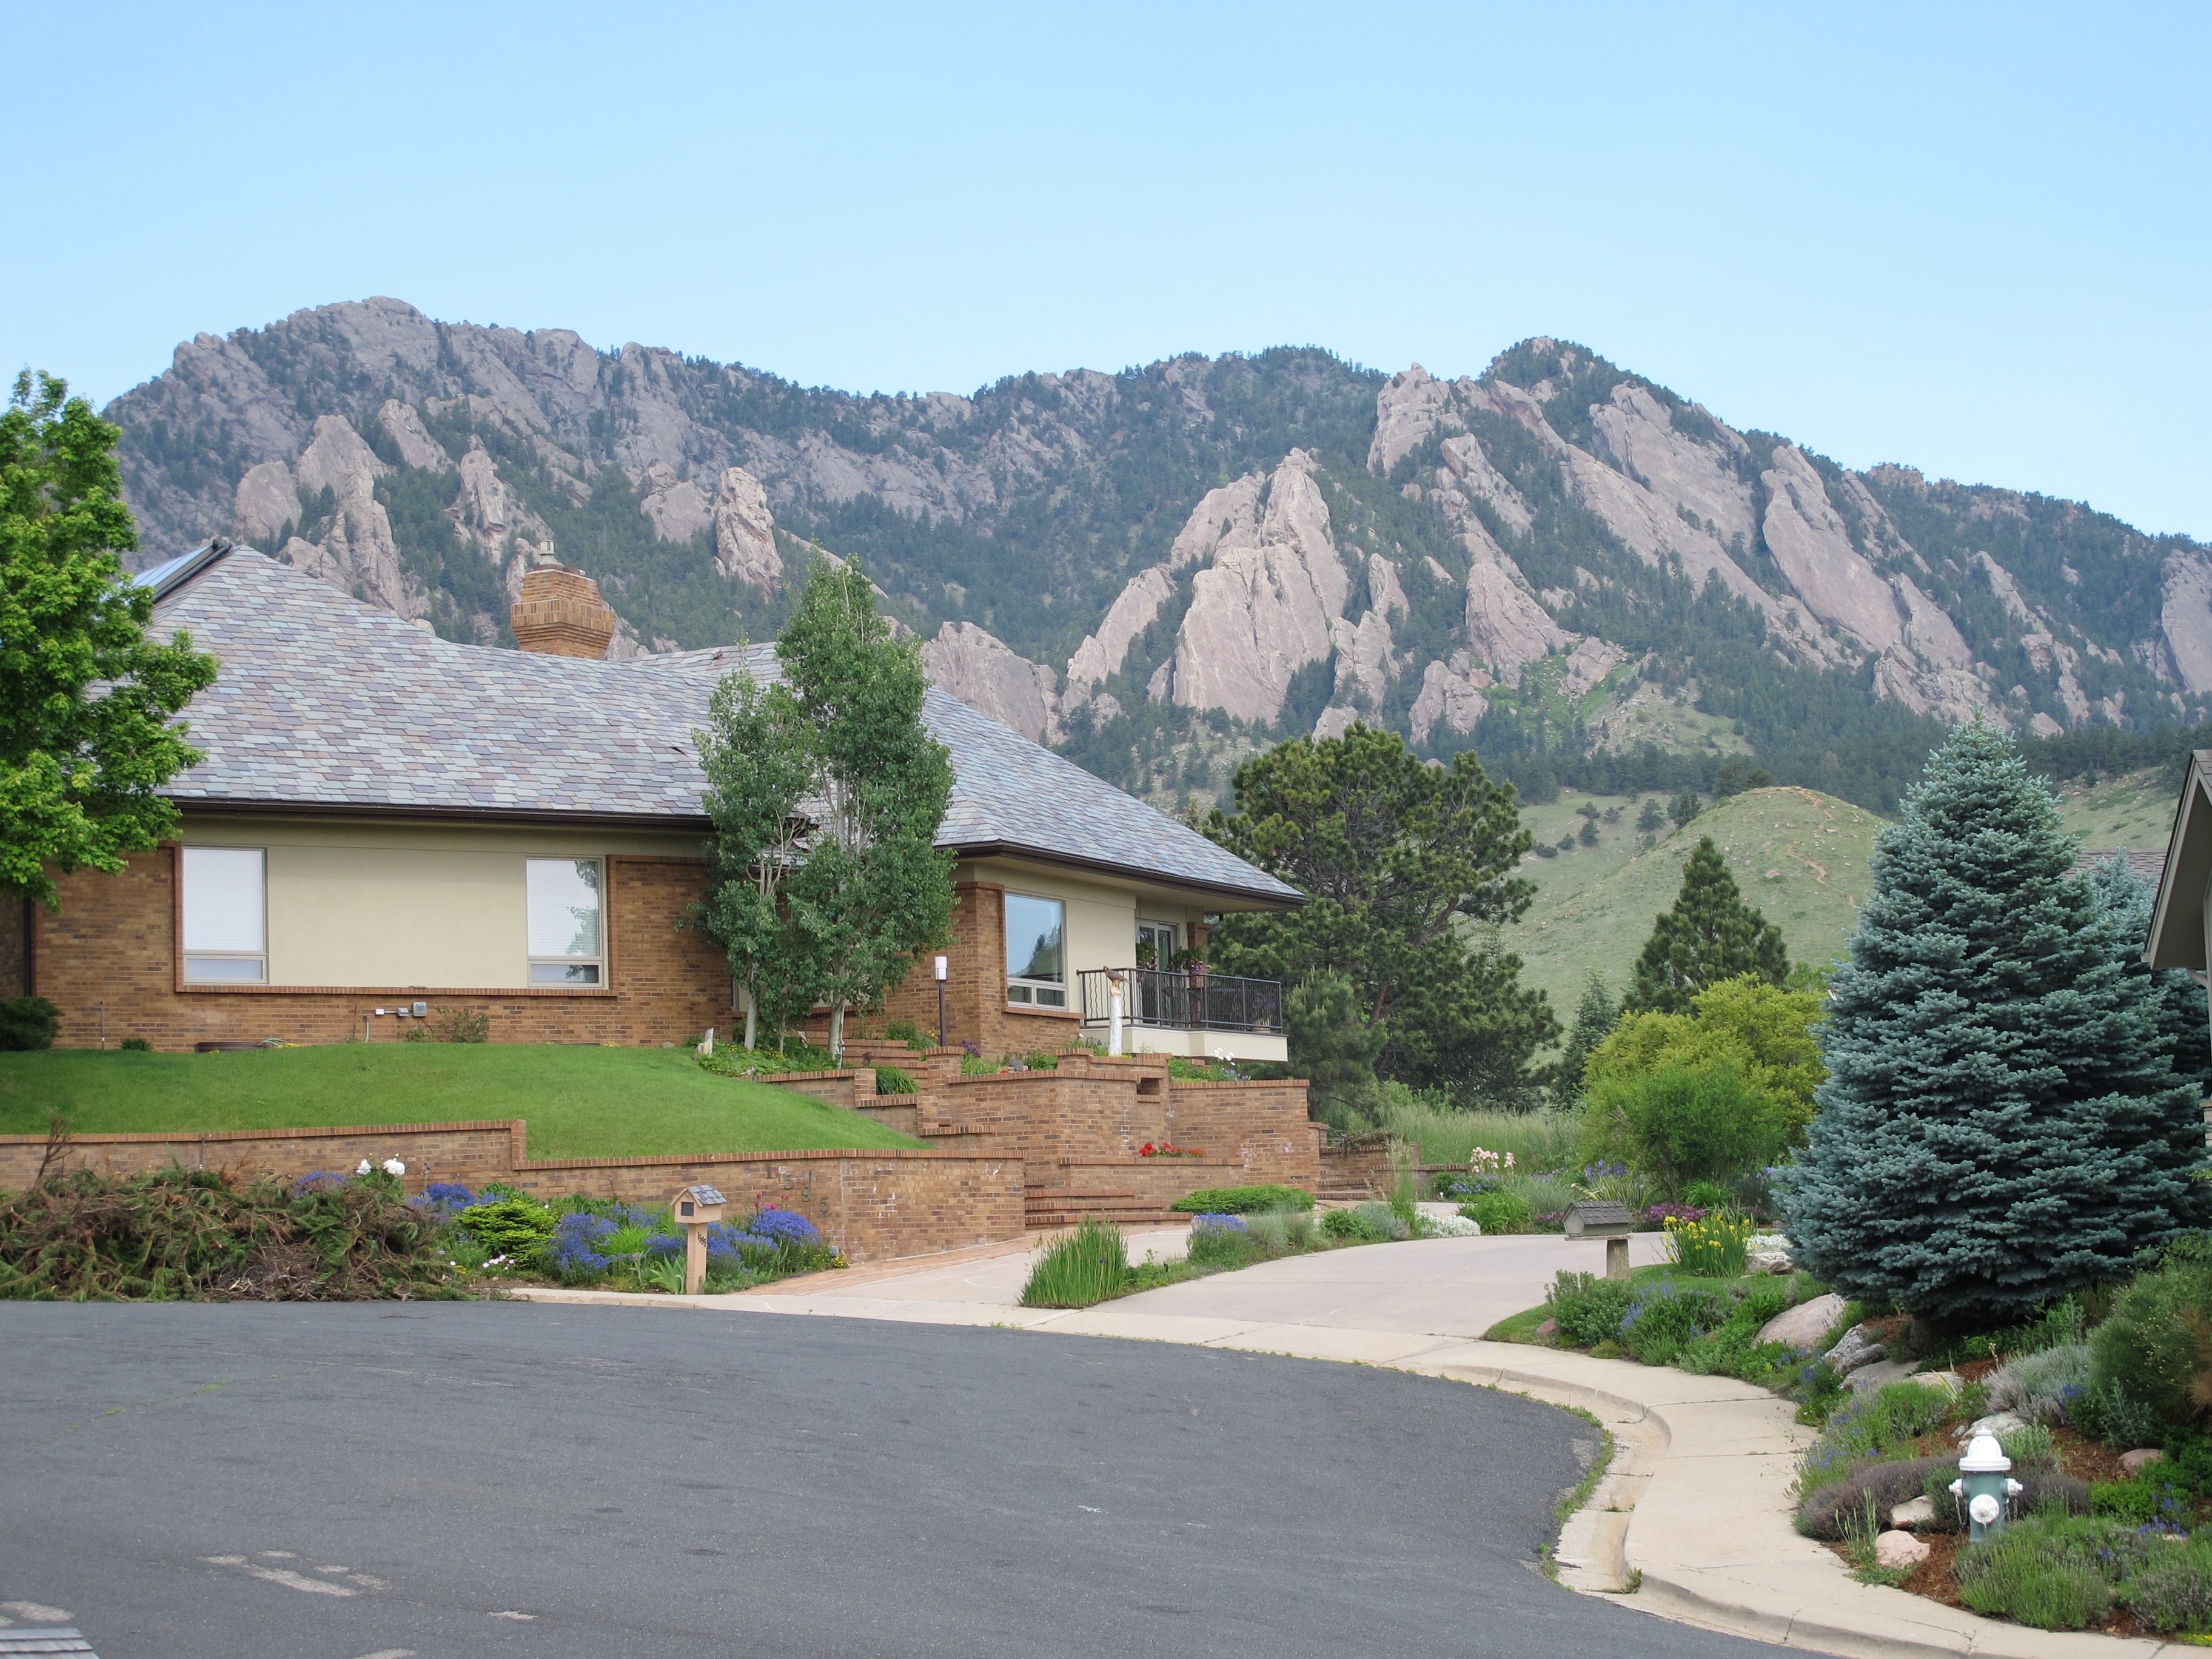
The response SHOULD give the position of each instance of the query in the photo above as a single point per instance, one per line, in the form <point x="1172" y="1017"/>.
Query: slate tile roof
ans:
<point x="326" y="702"/>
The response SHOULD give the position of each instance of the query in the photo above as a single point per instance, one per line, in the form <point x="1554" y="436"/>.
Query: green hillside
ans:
<point x="1799" y="856"/>
<point x="2132" y="812"/>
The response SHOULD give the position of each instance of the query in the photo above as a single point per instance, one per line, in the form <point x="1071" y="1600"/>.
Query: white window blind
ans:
<point x="565" y="923"/>
<point x="226" y="913"/>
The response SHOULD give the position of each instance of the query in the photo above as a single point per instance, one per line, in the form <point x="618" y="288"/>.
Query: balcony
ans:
<point x="1197" y="1014"/>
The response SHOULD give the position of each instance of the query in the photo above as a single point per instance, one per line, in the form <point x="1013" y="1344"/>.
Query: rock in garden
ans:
<point x="1549" y="1327"/>
<point x="1900" y="1552"/>
<point x="1860" y="1346"/>
<point x="2133" y="1461"/>
<point x="1918" y="1512"/>
<point x="1879" y="1374"/>
<point x="1804" y="1326"/>
<point x="1950" y="1382"/>
<point x="1999" y="1424"/>
<point x="1767" y="1261"/>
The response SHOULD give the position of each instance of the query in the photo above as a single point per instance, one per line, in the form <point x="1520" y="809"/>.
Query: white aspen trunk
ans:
<point x="837" y="1032"/>
<point x="752" y="1020"/>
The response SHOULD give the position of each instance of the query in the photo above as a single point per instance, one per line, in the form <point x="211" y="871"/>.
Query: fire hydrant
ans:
<point x="1983" y="1486"/>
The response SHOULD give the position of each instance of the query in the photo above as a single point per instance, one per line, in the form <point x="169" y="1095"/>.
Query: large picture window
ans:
<point x="225" y="915"/>
<point x="1036" y="974"/>
<point x="568" y="931"/>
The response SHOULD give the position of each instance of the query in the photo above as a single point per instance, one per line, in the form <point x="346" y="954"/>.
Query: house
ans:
<point x="2181" y="918"/>
<point x="388" y="823"/>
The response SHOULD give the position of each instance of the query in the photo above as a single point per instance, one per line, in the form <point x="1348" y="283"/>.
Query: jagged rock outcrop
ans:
<point x="268" y="501"/>
<point x="985" y="673"/>
<point x="1451" y="693"/>
<point x="2185" y="619"/>
<point x="402" y="424"/>
<point x="744" y="531"/>
<point x="1260" y="612"/>
<point x="677" y="509"/>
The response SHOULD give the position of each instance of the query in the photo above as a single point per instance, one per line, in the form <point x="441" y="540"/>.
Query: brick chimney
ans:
<point x="561" y="614"/>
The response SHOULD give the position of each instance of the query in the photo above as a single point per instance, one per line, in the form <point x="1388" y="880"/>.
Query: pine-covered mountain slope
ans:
<point x="1573" y="569"/>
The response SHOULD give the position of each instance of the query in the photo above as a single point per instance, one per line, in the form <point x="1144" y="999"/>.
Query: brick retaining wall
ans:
<point x="869" y="1203"/>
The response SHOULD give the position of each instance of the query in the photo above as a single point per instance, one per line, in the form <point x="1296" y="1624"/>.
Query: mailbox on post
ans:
<point x="1608" y="1221"/>
<point x="695" y="1209"/>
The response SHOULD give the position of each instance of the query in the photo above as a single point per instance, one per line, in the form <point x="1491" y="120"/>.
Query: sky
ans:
<point x="1969" y="239"/>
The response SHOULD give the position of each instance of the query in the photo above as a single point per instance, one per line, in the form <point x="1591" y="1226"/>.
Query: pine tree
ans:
<point x="1709" y="935"/>
<point x="2184" y="1032"/>
<point x="2001" y="1124"/>
<point x="1596" y="1016"/>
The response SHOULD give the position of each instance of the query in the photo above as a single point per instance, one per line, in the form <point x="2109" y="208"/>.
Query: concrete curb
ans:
<point x="1693" y="1512"/>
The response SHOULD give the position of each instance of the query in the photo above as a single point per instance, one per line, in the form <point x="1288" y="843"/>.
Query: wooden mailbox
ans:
<point x="1608" y="1221"/>
<point x="695" y="1209"/>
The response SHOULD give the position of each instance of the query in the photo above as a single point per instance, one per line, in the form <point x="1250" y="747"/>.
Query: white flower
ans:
<point x="363" y="1167"/>
<point x="392" y="1166"/>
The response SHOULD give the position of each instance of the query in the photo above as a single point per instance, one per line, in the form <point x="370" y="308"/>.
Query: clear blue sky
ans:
<point x="1973" y="239"/>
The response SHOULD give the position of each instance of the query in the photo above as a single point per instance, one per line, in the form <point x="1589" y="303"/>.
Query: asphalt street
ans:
<point x="332" y="1482"/>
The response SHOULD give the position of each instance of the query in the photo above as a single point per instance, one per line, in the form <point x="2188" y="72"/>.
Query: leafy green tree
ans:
<point x="1596" y="1016"/>
<point x="2001" y="1124"/>
<point x="1405" y="866"/>
<point x="873" y="888"/>
<point x="1685" y="1123"/>
<point x="87" y="732"/>
<point x="760" y="758"/>
<point x="1709" y="935"/>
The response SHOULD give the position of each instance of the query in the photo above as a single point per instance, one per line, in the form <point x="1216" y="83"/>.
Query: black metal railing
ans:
<point x="1183" y="1000"/>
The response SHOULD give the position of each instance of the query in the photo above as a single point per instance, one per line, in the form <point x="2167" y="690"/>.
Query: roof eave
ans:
<point x="1242" y="898"/>
<point x="237" y="806"/>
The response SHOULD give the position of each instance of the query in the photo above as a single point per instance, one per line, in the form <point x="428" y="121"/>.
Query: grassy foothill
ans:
<point x="579" y="1102"/>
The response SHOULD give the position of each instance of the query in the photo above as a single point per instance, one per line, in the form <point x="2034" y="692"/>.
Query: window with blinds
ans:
<point x="566" y="935"/>
<point x="225" y="909"/>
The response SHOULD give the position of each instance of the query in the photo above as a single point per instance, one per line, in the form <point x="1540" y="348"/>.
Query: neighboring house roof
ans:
<point x="325" y="703"/>
<point x="2149" y="867"/>
<point x="2176" y="920"/>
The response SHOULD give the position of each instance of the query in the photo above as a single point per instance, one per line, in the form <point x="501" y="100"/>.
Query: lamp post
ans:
<point x="1985" y="1487"/>
<point x="940" y="1001"/>
<point x="1114" y="1010"/>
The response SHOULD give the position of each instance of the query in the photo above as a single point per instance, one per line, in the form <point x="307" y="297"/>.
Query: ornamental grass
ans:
<point x="1080" y="1268"/>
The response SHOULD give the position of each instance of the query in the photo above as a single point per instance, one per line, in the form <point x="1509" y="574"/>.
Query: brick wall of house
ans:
<point x="869" y="1203"/>
<point x="110" y="955"/>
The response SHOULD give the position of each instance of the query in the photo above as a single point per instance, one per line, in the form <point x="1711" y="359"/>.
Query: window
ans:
<point x="1035" y="972"/>
<point x="566" y="935"/>
<point x="225" y="915"/>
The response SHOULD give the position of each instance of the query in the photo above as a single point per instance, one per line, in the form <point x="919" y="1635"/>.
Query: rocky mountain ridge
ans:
<point x="1239" y="546"/>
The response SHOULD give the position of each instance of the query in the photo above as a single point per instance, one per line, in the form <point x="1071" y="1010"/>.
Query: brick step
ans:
<point x="1058" y="1208"/>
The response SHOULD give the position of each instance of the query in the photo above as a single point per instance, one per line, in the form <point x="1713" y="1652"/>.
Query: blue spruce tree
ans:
<point x="2001" y="1123"/>
<point x="2183" y="1028"/>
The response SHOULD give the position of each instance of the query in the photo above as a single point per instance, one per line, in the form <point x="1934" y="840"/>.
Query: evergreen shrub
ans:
<point x="1243" y="1200"/>
<point x="1664" y="1318"/>
<point x="2157" y="1344"/>
<point x="2000" y="1126"/>
<point x="27" y="1023"/>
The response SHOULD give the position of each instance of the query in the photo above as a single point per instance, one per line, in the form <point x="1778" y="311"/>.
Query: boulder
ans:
<point x="1860" y="1346"/>
<point x="1999" y="1424"/>
<point x="1804" y="1326"/>
<point x="1919" y="1512"/>
<point x="1880" y="1374"/>
<point x="1899" y="1552"/>
<point x="2134" y="1462"/>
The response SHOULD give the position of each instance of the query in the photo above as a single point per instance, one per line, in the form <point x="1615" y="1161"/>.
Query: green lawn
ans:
<point x="579" y="1102"/>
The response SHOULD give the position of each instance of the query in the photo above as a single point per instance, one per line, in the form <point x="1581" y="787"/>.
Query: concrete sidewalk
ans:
<point x="1694" y="1511"/>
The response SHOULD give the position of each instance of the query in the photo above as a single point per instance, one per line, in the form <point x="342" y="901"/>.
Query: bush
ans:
<point x="2143" y="1502"/>
<point x="1079" y="1269"/>
<point x="2107" y="1411"/>
<point x="2058" y="1572"/>
<point x="1665" y="1318"/>
<point x="135" y="1045"/>
<point x="1826" y="1511"/>
<point x="906" y="1031"/>
<point x="1586" y="1310"/>
<point x="462" y="1024"/>
<point x="1693" y="1123"/>
<point x="1715" y="1248"/>
<point x="1866" y="1427"/>
<point x="513" y="1225"/>
<point x="2172" y="1591"/>
<point x="891" y="1080"/>
<point x="1243" y="1200"/>
<point x="27" y="1023"/>
<point x="1501" y="1212"/>
<point x="2041" y="1386"/>
<point x="1381" y="1222"/>
<point x="2157" y="1344"/>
